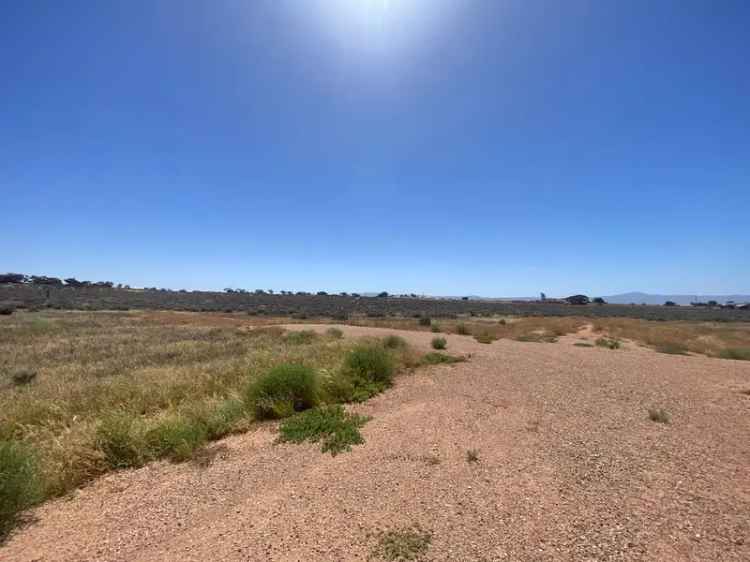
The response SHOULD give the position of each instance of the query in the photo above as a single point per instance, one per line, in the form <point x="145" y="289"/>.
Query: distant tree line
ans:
<point x="23" y="279"/>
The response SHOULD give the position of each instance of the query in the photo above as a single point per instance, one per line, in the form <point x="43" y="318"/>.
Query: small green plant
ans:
<point x="583" y="344"/>
<point x="484" y="338"/>
<point x="502" y="322"/>
<point x="462" y="329"/>
<point x="439" y="343"/>
<point x="425" y="321"/>
<point x="609" y="343"/>
<point x="121" y="441"/>
<point x="739" y="353"/>
<point x="658" y="415"/>
<point x="20" y="484"/>
<point x="303" y="337"/>
<point x="334" y="333"/>
<point x="282" y="391"/>
<point x="435" y="358"/>
<point x="333" y="426"/>
<point x="472" y="456"/>
<point x="394" y="342"/>
<point x="401" y="545"/>
<point x="435" y="328"/>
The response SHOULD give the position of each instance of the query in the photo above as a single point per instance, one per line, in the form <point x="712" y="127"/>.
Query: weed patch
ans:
<point x="439" y="343"/>
<point x="20" y="486"/>
<point x="303" y="337"/>
<point x="332" y="426"/>
<point x="334" y="333"/>
<point x="608" y="343"/>
<point x="434" y="358"/>
<point x="739" y="353"/>
<point x="400" y="545"/>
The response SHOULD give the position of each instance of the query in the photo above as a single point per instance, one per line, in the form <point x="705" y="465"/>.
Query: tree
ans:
<point x="383" y="295"/>
<point x="670" y="303"/>
<point x="599" y="300"/>
<point x="578" y="299"/>
<point x="14" y="278"/>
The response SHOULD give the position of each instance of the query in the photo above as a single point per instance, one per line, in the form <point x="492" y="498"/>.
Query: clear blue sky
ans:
<point x="445" y="147"/>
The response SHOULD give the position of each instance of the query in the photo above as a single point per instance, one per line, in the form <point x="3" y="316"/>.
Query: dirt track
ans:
<point x="570" y="468"/>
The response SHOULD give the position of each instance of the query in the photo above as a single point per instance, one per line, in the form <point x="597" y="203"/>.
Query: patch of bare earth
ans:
<point x="569" y="468"/>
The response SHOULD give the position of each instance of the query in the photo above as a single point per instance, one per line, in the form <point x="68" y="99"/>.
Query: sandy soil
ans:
<point x="570" y="468"/>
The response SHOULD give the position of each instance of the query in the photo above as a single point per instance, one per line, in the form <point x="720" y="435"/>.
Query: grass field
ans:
<point x="84" y="393"/>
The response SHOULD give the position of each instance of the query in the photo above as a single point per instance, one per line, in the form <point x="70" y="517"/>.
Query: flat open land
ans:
<point x="527" y="451"/>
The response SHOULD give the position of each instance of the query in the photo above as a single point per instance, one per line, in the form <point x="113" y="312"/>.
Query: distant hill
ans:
<point x="638" y="298"/>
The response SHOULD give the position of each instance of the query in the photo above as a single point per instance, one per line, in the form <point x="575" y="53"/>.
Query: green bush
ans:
<point x="439" y="343"/>
<point x="394" y="342"/>
<point x="176" y="437"/>
<point x="337" y="429"/>
<point x="462" y="329"/>
<point x="20" y="485"/>
<point x="302" y="337"/>
<point x="435" y="328"/>
<point x="484" y="338"/>
<point x="121" y="441"/>
<point x="609" y="343"/>
<point x="222" y="419"/>
<point x="370" y="363"/>
<point x="282" y="391"/>
<point x="425" y="321"/>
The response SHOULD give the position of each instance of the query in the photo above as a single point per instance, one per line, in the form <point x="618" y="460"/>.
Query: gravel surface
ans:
<point x="569" y="468"/>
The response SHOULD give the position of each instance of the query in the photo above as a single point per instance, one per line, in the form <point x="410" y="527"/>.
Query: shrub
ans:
<point x="176" y="437"/>
<point x="434" y="358"/>
<point x="334" y="333"/>
<point x="439" y="343"/>
<point x="425" y="321"/>
<point x="582" y="344"/>
<point x="370" y="363"/>
<point x="20" y="485"/>
<point x="672" y="348"/>
<point x="285" y="389"/>
<point x="6" y="309"/>
<point x="484" y="338"/>
<point x="472" y="455"/>
<point x="435" y="328"/>
<point x="740" y="353"/>
<point x="609" y="343"/>
<point x="120" y="440"/>
<point x="302" y="337"/>
<point x="658" y="415"/>
<point x="462" y="329"/>
<point x="394" y="342"/>
<point x="404" y="544"/>
<point x="337" y="429"/>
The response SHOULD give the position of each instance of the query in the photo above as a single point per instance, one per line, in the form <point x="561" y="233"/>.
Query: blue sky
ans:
<point x="499" y="148"/>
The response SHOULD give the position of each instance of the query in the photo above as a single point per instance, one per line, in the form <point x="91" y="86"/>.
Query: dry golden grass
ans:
<point x="157" y="369"/>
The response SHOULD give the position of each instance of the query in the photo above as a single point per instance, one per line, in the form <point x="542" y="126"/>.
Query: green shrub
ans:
<point x="285" y="389"/>
<point x="434" y="358"/>
<point x="222" y="419"/>
<point x="176" y="437"/>
<point x="484" y="338"/>
<point x="609" y="343"/>
<point x="394" y="342"/>
<point x="739" y="353"/>
<point x="334" y="333"/>
<point x="582" y="344"/>
<point x="20" y="484"/>
<point x="23" y="377"/>
<point x="303" y="337"/>
<point x="435" y="328"/>
<point x="337" y="429"/>
<point x="462" y="329"/>
<point x="121" y="441"/>
<point x="439" y="343"/>
<point x="425" y="321"/>
<point x="370" y="363"/>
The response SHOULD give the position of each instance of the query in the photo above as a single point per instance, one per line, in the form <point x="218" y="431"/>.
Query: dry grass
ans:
<point x="157" y="375"/>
